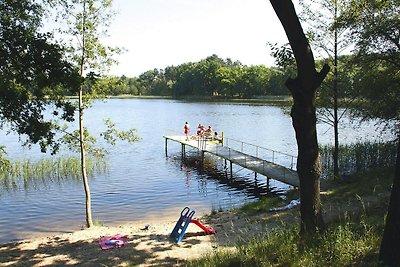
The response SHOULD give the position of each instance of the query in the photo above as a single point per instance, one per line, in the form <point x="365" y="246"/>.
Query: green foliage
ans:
<point x="283" y="56"/>
<point x="210" y="77"/>
<point x="71" y="140"/>
<point x="346" y="244"/>
<point x="83" y="24"/>
<point x="28" y="173"/>
<point x="111" y="135"/>
<point x="4" y="163"/>
<point x="359" y="157"/>
<point x="374" y="26"/>
<point x="33" y="72"/>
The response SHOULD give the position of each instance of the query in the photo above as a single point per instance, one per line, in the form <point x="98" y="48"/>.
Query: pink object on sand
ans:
<point x="115" y="241"/>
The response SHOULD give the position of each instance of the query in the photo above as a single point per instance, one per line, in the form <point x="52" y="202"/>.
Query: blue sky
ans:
<point x="161" y="33"/>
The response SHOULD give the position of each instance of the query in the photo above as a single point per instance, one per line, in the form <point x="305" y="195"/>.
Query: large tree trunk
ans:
<point x="389" y="252"/>
<point x="303" y="89"/>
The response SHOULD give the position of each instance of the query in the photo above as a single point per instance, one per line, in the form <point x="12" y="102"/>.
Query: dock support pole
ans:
<point x="166" y="146"/>
<point x="268" y="183"/>
<point x="183" y="151"/>
<point x="230" y="163"/>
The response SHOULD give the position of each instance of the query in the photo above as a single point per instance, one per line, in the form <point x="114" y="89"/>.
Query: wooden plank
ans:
<point x="258" y="165"/>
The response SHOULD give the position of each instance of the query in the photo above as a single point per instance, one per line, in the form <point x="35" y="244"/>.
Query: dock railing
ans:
<point x="273" y="156"/>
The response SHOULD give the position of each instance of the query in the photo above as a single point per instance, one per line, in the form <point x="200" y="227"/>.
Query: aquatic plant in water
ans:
<point x="358" y="157"/>
<point x="28" y="173"/>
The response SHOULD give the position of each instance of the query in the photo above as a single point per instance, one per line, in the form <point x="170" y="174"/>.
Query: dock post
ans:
<point x="202" y="158"/>
<point x="166" y="146"/>
<point x="230" y="162"/>
<point x="268" y="183"/>
<point x="183" y="151"/>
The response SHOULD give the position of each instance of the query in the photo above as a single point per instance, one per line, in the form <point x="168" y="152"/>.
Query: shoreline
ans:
<point x="283" y="100"/>
<point x="152" y="247"/>
<point x="151" y="219"/>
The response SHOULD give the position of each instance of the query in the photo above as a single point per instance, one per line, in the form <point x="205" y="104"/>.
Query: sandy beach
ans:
<point x="152" y="247"/>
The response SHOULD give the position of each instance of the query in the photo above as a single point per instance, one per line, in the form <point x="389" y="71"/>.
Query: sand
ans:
<point x="152" y="247"/>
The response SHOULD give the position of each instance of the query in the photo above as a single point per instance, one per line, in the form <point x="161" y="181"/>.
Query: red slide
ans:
<point x="208" y="230"/>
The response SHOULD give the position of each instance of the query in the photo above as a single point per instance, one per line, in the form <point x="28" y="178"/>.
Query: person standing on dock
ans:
<point x="186" y="130"/>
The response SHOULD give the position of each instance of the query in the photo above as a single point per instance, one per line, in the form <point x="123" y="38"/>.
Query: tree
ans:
<point x="375" y="27"/>
<point x="330" y="40"/>
<point x="303" y="89"/>
<point x="86" y="22"/>
<point x="33" y="74"/>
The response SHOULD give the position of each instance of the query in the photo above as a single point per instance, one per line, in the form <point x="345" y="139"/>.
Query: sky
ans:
<point x="162" y="33"/>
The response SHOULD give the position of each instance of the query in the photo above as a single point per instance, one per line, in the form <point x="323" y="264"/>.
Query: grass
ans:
<point x="352" y="237"/>
<point x="28" y="172"/>
<point x="351" y="243"/>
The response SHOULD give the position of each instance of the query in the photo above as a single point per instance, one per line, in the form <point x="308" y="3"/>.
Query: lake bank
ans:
<point x="151" y="247"/>
<point x="281" y="100"/>
<point x="357" y="197"/>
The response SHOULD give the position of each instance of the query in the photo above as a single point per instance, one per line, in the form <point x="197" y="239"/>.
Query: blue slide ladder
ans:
<point x="182" y="224"/>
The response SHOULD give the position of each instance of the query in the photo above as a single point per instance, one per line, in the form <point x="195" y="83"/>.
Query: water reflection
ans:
<point x="216" y="169"/>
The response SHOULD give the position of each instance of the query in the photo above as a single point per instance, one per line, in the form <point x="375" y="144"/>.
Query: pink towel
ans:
<point x="115" y="241"/>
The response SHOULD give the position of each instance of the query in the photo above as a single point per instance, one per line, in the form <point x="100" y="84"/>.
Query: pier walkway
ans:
<point x="272" y="164"/>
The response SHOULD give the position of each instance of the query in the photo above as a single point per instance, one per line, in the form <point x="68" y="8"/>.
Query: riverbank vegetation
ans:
<point x="358" y="157"/>
<point x="27" y="173"/>
<point x="355" y="213"/>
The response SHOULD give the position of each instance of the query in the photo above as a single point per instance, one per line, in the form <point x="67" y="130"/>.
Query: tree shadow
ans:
<point x="142" y="248"/>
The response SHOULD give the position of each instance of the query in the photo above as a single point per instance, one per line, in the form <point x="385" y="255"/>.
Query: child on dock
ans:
<point x="186" y="130"/>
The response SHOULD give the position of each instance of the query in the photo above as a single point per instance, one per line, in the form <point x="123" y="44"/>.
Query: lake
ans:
<point x="142" y="182"/>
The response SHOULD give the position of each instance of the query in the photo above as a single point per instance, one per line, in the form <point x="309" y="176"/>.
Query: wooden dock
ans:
<point x="269" y="168"/>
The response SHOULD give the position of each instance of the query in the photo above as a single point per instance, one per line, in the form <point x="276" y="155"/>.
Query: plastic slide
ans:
<point x="183" y="222"/>
<point x="208" y="230"/>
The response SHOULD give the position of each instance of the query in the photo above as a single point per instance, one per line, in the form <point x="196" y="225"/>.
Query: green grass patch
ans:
<point x="354" y="240"/>
<point x="353" y="243"/>
<point x="260" y="206"/>
<point x="371" y="183"/>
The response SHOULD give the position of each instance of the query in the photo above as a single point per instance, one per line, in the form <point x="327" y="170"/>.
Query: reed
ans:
<point x="358" y="157"/>
<point x="28" y="172"/>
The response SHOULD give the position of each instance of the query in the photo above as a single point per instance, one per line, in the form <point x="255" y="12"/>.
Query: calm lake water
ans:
<point x="142" y="182"/>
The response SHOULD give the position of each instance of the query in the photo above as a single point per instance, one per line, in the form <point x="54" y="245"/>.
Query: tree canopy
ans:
<point x="32" y="72"/>
<point x="375" y="26"/>
<point x="209" y="77"/>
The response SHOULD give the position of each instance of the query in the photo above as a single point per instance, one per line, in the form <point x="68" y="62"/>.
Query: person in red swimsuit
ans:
<point x="186" y="130"/>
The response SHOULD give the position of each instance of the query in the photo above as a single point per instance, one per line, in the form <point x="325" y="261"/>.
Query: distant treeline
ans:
<point x="214" y="77"/>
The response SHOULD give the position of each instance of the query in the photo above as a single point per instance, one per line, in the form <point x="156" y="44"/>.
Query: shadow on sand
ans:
<point x="140" y="250"/>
